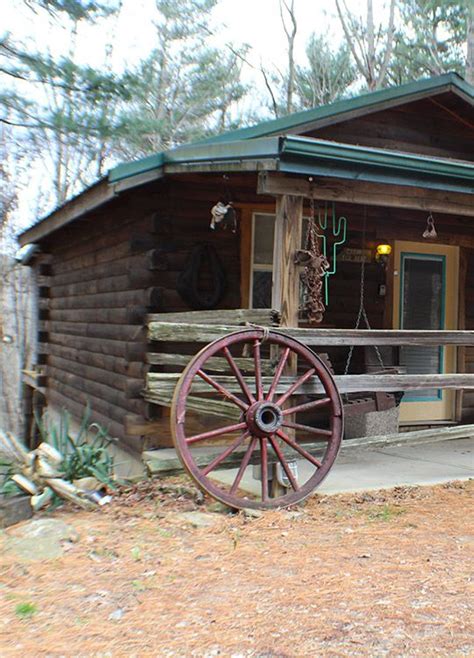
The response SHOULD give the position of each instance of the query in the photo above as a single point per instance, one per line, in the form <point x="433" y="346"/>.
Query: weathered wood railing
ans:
<point x="212" y="325"/>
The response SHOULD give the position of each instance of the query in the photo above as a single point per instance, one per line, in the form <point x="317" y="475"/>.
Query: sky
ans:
<point x="254" y="22"/>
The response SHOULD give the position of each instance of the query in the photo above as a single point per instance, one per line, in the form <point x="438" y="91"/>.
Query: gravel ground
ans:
<point x="160" y="572"/>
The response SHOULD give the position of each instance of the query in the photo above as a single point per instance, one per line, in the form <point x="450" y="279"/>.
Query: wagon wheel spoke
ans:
<point x="304" y="453"/>
<point x="284" y="463"/>
<point x="243" y="465"/>
<point x="222" y="390"/>
<point x="217" y="432"/>
<point x="264" y="468"/>
<point x="278" y="373"/>
<point x="307" y="428"/>
<point x="258" y="369"/>
<point x="314" y="404"/>
<point x="299" y="382"/>
<point x="220" y="458"/>
<point x="238" y="375"/>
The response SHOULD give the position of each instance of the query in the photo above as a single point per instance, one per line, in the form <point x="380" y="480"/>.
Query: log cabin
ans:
<point x="386" y="179"/>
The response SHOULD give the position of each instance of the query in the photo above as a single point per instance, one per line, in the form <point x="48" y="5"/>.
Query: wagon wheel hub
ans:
<point x="264" y="419"/>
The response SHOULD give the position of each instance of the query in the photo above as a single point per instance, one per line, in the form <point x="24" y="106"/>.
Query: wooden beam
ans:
<point x="285" y="282"/>
<point x="167" y="461"/>
<point x="371" y="194"/>
<point x="237" y="316"/>
<point x="163" y="384"/>
<point x="202" y="333"/>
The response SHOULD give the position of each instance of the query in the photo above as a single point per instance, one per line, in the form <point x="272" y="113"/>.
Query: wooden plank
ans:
<point x="164" y="383"/>
<point x="213" y="364"/>
<point x="34" y="379"/>
<point x="167" y="461"/>
<point x="194" y="403"/>
<point x="359" y="192"/>
<point x="237" y="316"/>
<point x="169" y="331"/>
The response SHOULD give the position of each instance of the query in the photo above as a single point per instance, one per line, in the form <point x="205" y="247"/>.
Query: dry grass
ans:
<point x="383" y="574"/>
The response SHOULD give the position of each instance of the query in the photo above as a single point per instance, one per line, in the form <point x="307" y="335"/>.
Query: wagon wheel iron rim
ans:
<point x="266" y="426"/>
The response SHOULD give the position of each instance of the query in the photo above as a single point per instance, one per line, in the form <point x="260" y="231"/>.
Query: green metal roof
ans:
<point x="256" y="142"/>
<point x="437" y="84"/>
<point x="306" y="155"/>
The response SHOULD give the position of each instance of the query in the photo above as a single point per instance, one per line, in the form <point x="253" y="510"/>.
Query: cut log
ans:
<point x="131" y="351"/>
<point x="163" y="384"/>
<point x="203" y="333"/>
<point x="218" y="364"/>
<point x="238" y="316"/>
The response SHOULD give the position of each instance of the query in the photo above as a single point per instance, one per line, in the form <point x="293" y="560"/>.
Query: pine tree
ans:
<point x="327" y="75"/>
<point x="432" y="40"/>
<point x="185" y="89"/>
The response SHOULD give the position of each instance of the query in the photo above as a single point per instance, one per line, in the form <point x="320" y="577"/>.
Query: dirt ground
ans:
<point x="379" y="574"/>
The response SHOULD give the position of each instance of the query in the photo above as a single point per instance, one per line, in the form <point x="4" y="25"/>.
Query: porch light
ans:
<point x="383" y="250"/>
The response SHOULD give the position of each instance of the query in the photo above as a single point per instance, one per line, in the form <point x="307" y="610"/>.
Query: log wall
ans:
<point x="107" y="272"/>
<point x="439" y="127"/>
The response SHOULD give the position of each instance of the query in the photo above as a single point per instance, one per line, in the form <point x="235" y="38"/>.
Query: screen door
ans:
<point x="425" y="297"/>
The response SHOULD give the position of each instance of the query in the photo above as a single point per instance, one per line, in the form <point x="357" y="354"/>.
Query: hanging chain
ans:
<point x="362" y="314"/>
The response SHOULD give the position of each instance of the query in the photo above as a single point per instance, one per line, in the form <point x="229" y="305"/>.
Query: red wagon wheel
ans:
<point x="264" y="422"/>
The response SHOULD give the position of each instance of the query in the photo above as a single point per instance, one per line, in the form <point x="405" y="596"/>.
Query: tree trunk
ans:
<point x="469" y="74"/>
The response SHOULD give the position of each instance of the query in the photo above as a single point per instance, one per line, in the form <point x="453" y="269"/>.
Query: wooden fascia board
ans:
<point x="374" y="194"/>
<point x="88" y="200"/>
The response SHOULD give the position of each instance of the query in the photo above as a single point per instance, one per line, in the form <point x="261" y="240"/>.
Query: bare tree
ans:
<point x="290" y="27"/>
<point x="470" y="44"/>
<point x="370" y="46"/>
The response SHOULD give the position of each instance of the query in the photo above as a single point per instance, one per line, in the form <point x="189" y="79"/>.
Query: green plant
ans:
<point x="7" y="485"/>
<point x="81" y="457"/>
<point x="386" y="513"/>
<point x="25" y="610"/>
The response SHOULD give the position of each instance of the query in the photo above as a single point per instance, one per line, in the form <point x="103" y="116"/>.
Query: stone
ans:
<point x="198" y="519"/>
<point x="116" y="615"/>
<point x="14" y="509"/>
<point x="253" y="513"/>
<point x="39" y="539"/>
<point x="219" y="508"/>
<point x="373" y="423"/>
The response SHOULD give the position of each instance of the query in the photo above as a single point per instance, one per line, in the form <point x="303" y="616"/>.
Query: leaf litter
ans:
<point x="386" y="573"/>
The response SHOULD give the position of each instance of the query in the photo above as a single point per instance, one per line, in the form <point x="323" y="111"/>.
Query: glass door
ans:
<point x="425" y="297"/>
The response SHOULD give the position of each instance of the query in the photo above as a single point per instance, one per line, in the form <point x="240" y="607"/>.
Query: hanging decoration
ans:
<point x="337" y="233"/>
<point x="316" y="266"/>
<point x="203" y="257"/>
<point x="430" y="232"/>
<point x="223" y="213"/>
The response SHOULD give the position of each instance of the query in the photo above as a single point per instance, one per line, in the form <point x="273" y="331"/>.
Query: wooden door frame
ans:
<point x="451" y="319"/>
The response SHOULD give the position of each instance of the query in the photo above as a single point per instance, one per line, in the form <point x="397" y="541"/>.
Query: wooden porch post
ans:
<point x="285" y="282"/>
<point x="286" y="276"/>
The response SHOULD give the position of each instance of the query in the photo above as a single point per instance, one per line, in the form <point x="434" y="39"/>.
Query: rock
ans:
<point x="219" y="508"/>
<point x="39" y="539"/>
<point x="253" y="513"/>
<point x="198" y="519"/>
<point x="116" y="615"/>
